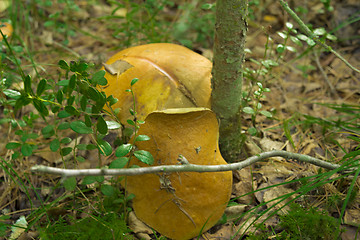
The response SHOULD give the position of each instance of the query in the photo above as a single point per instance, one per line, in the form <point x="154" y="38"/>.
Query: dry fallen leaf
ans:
<point x="118" y="67"/>
<point x="275" y="192"/>
<point x="138" y="227"/>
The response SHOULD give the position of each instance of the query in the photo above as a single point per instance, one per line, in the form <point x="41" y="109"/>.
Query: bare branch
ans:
<point x="183" y="166"/>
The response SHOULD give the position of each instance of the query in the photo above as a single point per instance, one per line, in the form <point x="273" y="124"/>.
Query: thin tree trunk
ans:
<point x="227" y="74"/>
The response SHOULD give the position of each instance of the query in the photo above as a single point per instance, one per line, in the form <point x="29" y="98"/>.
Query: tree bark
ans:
<point x="227" y="73"/>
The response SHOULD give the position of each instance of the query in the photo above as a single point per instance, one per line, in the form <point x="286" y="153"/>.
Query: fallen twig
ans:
<point x="183" y="166"/>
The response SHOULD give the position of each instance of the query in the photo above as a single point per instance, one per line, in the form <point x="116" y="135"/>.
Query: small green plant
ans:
<point x="105" y="226"/>
<point x="256" y="107"/>
<point x="300" y="223"/>
<point x="78" y="107"/>
<point x="141" y="22"/>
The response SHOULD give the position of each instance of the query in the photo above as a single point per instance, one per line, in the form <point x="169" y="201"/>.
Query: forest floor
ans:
<point x="308" y="90"/>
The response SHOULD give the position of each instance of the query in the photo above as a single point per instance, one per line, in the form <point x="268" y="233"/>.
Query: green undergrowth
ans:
<point x="106" y="226"/>
<point x="301" y="224"/>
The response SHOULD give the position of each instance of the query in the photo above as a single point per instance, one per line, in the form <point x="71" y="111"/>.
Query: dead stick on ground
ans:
<point x="65" y="173"/>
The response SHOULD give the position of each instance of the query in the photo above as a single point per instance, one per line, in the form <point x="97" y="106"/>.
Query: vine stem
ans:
<point x="311" y="35"/>
<point x="184" y="166"/>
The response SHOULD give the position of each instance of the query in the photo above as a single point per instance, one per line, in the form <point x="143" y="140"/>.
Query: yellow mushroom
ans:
<point x="170" y="76"/>
<point x="6" y="29"/>
<point x="181" y="205"/>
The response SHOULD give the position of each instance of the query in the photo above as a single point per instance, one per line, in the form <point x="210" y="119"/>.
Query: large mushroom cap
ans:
<point x="181" y="205"/>
<point x="170" y="76"/>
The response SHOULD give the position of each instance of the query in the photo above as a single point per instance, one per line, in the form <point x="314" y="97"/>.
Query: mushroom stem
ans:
<point x="187" y="167"/>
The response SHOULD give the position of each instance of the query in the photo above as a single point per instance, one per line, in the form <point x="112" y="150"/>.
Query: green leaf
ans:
<point x="130" y="196"/>
<point x="113" y="125"/>
<point x="26" y="149"/>
<point x="207" y="6"/>
<point x="83" y="102"/>
<point x="81" y="146"/>
<point x="112" y="100"/>
<point x="63" y="83"/>
<point x="331" y="37"/>
<point x="33" y="135"/>
<point x="99" y="179"/>
<point x="80" y="127"/>
<point x="289" y="25"/>
<point x="132" y="112"/>
<point x="119" y="162"/>
<point x="142" y="138"/>
<point x="72" y="110"/>
<point x="107" y="190"/>
<point x="280" y="48"/>
<point x="12" y="145"/>
<point x="123" y="150"/>
<point x="55" y="145"/>
<point x="12" y="93"/>
<point x="291" y="49"/>
<point x="65" y="140"/>
<point x="98" y="78"/>
<point x="88" y="180"/>
<point x="91" y="146"/>
<point x="70" y="183"/>
<point x="296" y="40"/>
<point x="269" y="63"/>
<point x="127" y="132"/>
<point x="23" y="100"/>
<point x="40" y="106"/>
<point x="105" y="147"/>
<point x="252" y="131"/>
<point x="282" y="35"/>
<point x="82" y="66"/>
<point x="319" y="31"/>
<point x="66" y="151"/>
<point x="134" y="81"/>
<point x="47" y="129"/>
<point x="72" y="83"/>
<point x="63" y="126"/>
<point x="55" y="109"/>
<point x="310" y="42"/>
<point x="19" y="132"/>
<point x="248" y="110"/>
<point x="60" y="96"/>
<point x="101" y="125"/>
<point x="41" y="87"/>
<point x="266" y="113"/>
<point x="93" y="94"/>
<point x="302" y="37"/>
<point x="88" y="121"/>
<point x="27" y="85"/>
<point x="130" y="122"/>
<point x="63" y="114"/>
<point x="63" y="65"/>
<point x="144" y="156"/>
